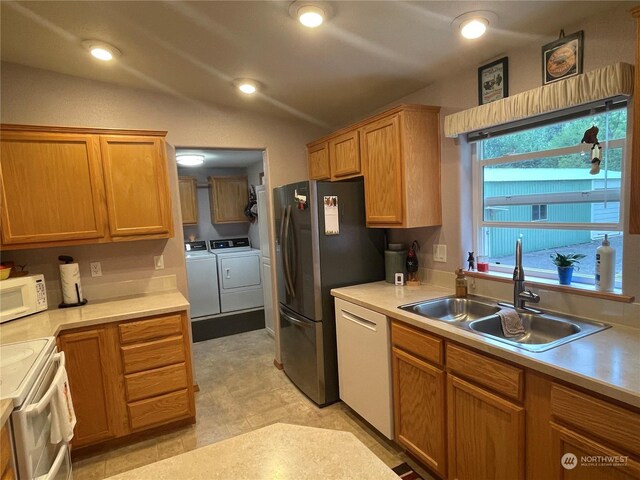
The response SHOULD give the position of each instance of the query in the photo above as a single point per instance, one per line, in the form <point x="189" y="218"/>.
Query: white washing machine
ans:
<point x="240" y="281"/>
<point x="202" y="275"/>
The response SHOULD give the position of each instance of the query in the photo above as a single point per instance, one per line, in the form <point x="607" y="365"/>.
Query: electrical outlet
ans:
<point x="158" y="262"/>
<point x="439" y="253"/>
<point x="96" y="269"/>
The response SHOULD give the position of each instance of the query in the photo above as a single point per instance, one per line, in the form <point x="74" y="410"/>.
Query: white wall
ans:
<point x="40" y="97"/>
<point x="253" y="172"/>
<point x="608" y="39"/>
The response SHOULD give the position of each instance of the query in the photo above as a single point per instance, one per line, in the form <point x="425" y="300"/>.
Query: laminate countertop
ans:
<point x="279" y="451"/>
<point x="606" y="362"/>
<point x="50" y="322"/>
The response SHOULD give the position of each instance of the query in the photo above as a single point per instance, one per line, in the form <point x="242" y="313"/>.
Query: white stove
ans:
<point x="20" y="364"/>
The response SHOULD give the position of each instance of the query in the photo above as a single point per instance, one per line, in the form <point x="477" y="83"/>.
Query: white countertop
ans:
<point x="606" y="362"/>
<point x="50" y="322"/>
<point x="279" y="451"/>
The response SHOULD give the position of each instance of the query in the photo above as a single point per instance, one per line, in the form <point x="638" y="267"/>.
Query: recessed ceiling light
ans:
<point x="190" y="160"/>
<point x="473" y="28"/>
<point x="310" y="13"/>
<point x="474" y="24"/>
<point x="246" y="86"/>
<point x="101" y="50"/>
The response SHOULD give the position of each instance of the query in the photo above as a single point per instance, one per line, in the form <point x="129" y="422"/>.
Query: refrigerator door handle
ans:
<point x="285" y="253"/>
<point x="295" y="321"/>
<point x="283" y="250"/>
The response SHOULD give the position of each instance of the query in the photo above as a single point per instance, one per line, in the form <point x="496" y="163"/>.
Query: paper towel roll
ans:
<point x="70" y="278"/>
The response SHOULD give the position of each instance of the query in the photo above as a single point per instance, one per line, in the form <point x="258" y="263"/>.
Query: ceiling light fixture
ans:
<point x="190" y="160"/>
<point x="472" y="25"/>
<point x="246" y="86"/>
<point x="310" y="13"/>
<point x="101" y="50"/>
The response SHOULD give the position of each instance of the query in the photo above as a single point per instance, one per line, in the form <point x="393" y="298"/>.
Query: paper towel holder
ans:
<point x="67" y="259"/>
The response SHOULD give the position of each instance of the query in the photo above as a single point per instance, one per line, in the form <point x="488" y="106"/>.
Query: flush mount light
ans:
<point x="474" y="24"/>
<point x="190" y="160"/>
<point x="310" y="14"/>
<point x="101" y="50"/>
<point x="246" y="86"/>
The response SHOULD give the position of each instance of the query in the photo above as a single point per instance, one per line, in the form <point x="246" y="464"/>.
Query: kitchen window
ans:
<point x="533" y="181"/>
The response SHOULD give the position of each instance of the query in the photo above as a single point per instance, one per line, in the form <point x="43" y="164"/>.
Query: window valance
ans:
<point x="607" y="82"/>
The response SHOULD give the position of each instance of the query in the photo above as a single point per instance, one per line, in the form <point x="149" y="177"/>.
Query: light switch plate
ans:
<point x="439" y="253"/>
<point x="96" y="269"/>
<point x="158" y="262"/>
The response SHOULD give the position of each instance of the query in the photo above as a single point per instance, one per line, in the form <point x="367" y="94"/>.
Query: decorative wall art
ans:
<point x="493" y="81"/>
<point x="562" y="58"/>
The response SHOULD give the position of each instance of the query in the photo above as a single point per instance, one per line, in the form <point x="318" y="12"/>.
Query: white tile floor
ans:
<point x="240" y="390"/>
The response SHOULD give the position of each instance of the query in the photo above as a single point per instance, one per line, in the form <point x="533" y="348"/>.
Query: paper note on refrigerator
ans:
<point x="331" y="222"/>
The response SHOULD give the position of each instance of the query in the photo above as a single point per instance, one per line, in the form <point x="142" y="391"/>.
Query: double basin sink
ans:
<point x="480" y="315"/>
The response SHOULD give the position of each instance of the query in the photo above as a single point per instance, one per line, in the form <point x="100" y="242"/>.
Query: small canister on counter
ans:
<point x="395" y="261"/>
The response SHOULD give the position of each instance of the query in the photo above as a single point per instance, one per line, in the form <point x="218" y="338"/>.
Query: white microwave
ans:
<point x="22" y="296"/>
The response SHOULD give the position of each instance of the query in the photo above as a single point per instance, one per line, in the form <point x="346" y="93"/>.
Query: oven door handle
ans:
<point x="37" y="408"/>
<point x="57" y="463"/>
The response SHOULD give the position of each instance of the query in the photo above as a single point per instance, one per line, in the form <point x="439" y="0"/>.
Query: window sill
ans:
<point x="575" y="289"/>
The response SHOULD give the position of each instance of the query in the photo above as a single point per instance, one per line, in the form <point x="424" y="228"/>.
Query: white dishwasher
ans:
<point x="364" y="364"/>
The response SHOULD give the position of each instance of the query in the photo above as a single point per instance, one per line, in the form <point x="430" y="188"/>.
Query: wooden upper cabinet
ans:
<point x="634" y="217"/>
<point x="52" y="188"/>
<point x="344" y="155"/>
<point x="401" y="166"/>
<point x="383" y="172"/>
<point x="318" y="158"/>
<point x="136" y="183"/>
<point x="187" y="187"/>
<point x="228" y="198"/>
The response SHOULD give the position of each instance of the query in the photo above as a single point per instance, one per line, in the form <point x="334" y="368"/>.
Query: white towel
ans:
<point x="511" y="323"/>
<point x="63" y="417"/>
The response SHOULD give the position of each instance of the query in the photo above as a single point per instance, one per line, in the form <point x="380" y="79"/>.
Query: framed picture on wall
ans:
<point x="563" y="58"/>
<point x="493" y="81"/>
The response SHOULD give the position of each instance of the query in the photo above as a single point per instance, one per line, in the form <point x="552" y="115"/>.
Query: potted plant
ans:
<point x="566" y="264"/>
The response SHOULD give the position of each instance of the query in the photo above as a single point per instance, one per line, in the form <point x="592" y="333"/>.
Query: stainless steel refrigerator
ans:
<point x="321" y="243"/>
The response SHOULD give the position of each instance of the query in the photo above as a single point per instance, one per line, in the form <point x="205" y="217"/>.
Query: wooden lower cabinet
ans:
<point x="419" y="396"/>
<point x="6" y="455"/>
<point x="93" y="367"/>
<point x="122" y="383"/>
<point x="486" y="434"/>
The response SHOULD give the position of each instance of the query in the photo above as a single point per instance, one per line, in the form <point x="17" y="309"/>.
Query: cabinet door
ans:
<point x="419" y="401"/>
<point x="138" y="197"/>
<point x="188" y="200"/>
<point x="570" y="449"/>
<point x="93" y="367"/>
<point x="52" y="188"/>
<point x="344" y="155"/>
<point x="486" y="434"/>
<point x="318" y="158"/>
<point x="228" y="198"/>
<point x="382" y="167"/>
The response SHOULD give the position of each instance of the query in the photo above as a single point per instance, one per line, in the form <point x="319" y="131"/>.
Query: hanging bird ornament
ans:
<point x="591" y="136"/>
<point x="412" y="264"/>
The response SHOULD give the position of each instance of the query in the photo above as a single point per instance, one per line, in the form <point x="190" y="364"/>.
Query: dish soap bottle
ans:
<point x="605" y="266"/>
<point x="461" y="284"/>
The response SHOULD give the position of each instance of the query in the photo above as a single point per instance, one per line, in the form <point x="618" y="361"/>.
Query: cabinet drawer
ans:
<point x="145" y="356"/>
<point x="417" y="342"/>
<point x="159" y="410"/>
<point x="156" y="382"/>
<point x="497" y="376"/>
<point x="145" y="330"/>
<point x="614" y="424"/>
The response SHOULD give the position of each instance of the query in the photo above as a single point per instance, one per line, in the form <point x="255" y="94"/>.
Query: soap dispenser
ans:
<point x="461" y="284"/>
<point x="605" y="266"/>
